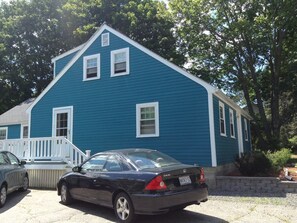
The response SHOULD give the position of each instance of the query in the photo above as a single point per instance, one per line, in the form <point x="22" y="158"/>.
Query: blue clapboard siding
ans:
<point x="61" y="63"/>
<point x="104" y="110"/>
<point x="14" y="131"/>
<point x="226" y="146"/>
<point x="246" y="144"/>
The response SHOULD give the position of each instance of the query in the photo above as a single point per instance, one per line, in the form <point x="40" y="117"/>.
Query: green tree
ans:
<point x="30" y="36"/>
<point x="243" y="46"/>
<point x="145" y="21"/>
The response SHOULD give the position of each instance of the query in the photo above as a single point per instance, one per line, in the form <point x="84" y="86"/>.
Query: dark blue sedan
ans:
<point x="134" y="181"/>
<point x="13" y="175"/>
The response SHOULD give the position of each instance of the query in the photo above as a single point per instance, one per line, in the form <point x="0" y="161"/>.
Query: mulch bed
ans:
<point x="292" y="172"/>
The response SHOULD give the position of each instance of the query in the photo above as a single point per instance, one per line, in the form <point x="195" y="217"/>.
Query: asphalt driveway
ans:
<point x="43" y="206"/>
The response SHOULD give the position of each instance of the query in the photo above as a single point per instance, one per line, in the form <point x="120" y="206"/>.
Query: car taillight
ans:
<point x="201" y="179"/>
<point x="156" y="184"/>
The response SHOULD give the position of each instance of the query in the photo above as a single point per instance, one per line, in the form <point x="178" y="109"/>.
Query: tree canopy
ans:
<point x="248" y="48"/>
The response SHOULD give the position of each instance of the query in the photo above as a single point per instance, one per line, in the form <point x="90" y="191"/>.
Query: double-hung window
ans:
<point x="246" y="134"/>
<point x="91" y="67"/>
<point x="3" y="133"/>
<point x="232" y="128"/>
<point x="147" y="119"/>
<point x="120" y="62"/>
<point x="222" y="119"/>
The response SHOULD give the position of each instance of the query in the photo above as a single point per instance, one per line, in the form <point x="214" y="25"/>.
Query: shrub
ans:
<point x="279" y="158"/>
<point x="253" y="164"/>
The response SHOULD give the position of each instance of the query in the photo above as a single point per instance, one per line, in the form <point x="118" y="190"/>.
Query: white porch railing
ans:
<point x="44" y="149"/>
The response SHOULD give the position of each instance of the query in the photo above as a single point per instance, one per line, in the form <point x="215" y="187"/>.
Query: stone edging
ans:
<point x="255" y="184"/>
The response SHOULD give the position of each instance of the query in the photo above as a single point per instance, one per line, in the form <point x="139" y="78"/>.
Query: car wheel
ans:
<point x="3" y="194"/>
<point x="123" y="208"/>
<point x="65" y="195"/>
<point x="25" y="184"/>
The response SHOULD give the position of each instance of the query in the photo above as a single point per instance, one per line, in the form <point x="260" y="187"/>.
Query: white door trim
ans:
<point x="69" y="110"/>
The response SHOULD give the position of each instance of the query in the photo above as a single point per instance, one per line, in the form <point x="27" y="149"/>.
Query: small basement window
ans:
<point x="91" y="67"/>
<point x="120" y="62"/>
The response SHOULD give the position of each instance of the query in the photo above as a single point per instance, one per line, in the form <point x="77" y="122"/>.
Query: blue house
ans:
<point x="112" y="92"/>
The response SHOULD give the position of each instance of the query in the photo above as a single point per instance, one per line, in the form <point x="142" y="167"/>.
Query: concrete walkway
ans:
<point x="42" y="206"/>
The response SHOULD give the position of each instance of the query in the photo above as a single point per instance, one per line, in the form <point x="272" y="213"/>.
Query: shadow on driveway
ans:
<point x="247" y="194"/>
<point x="184" y="216"/>
<point x="13" y="199"/>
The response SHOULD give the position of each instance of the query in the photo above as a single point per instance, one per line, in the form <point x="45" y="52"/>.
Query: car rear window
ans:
<point x="150" y="159"/>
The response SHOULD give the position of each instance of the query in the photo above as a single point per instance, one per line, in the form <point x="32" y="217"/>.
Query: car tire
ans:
<point x="65" y="194"/>
<point x="123" y="208"/>
<point x="3" y="195"/>
<point x="25" y="184"/>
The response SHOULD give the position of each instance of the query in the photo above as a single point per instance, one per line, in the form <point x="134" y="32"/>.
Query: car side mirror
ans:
<point x="23" y="162"/>
<point x="76" y="169"/>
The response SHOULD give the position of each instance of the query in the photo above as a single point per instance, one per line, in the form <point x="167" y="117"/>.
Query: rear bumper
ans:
<point x="164" y="202"/>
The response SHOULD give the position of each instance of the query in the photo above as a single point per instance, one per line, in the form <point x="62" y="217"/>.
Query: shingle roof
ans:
<point x="16" y="115"/>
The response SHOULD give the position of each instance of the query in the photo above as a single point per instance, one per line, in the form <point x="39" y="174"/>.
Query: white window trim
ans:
<point x="86" y="58"/>
<point x="221" y="104"/>
<point x="231" y="112"/>
<point x="22" y="130"/>
<point x="138" y="108"/>
<point x="104" y="35"/>
<point x="246" y="136"/>
<point x="112" y="53"/>
<point x="6" y="131"/>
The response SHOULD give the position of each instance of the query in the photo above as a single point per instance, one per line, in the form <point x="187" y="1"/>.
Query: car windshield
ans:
<point x="150" y="159"/>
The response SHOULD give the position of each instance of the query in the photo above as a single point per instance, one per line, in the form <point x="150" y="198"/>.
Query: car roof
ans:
<point x="124" y="151"/>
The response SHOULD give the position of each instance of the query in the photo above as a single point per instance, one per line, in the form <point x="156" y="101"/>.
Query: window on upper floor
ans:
<point x="105" y="39"/>
<point x="222" y="119"/>
<point x="120" y="62"/>
<point x="147" y="119"/>
<point x="246" y="133"/>
<point x="91" y="67"/>
<point x="3" y="133"/>
<point x="232" y="128"/>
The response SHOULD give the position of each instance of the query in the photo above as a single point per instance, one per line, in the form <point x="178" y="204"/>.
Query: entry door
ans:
<point x="62" y="122"/>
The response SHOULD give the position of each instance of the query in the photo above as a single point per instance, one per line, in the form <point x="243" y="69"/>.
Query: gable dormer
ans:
<point x="59" y="62"/>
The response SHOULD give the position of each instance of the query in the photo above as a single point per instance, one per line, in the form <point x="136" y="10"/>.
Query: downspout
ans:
<point x="239" y="130"/>
<point x="212" y="130"/>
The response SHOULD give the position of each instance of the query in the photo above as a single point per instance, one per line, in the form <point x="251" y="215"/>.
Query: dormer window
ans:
<point x="105" y="39"/>
<point x="120" y="62"/>
<point x="91" y="67"/>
